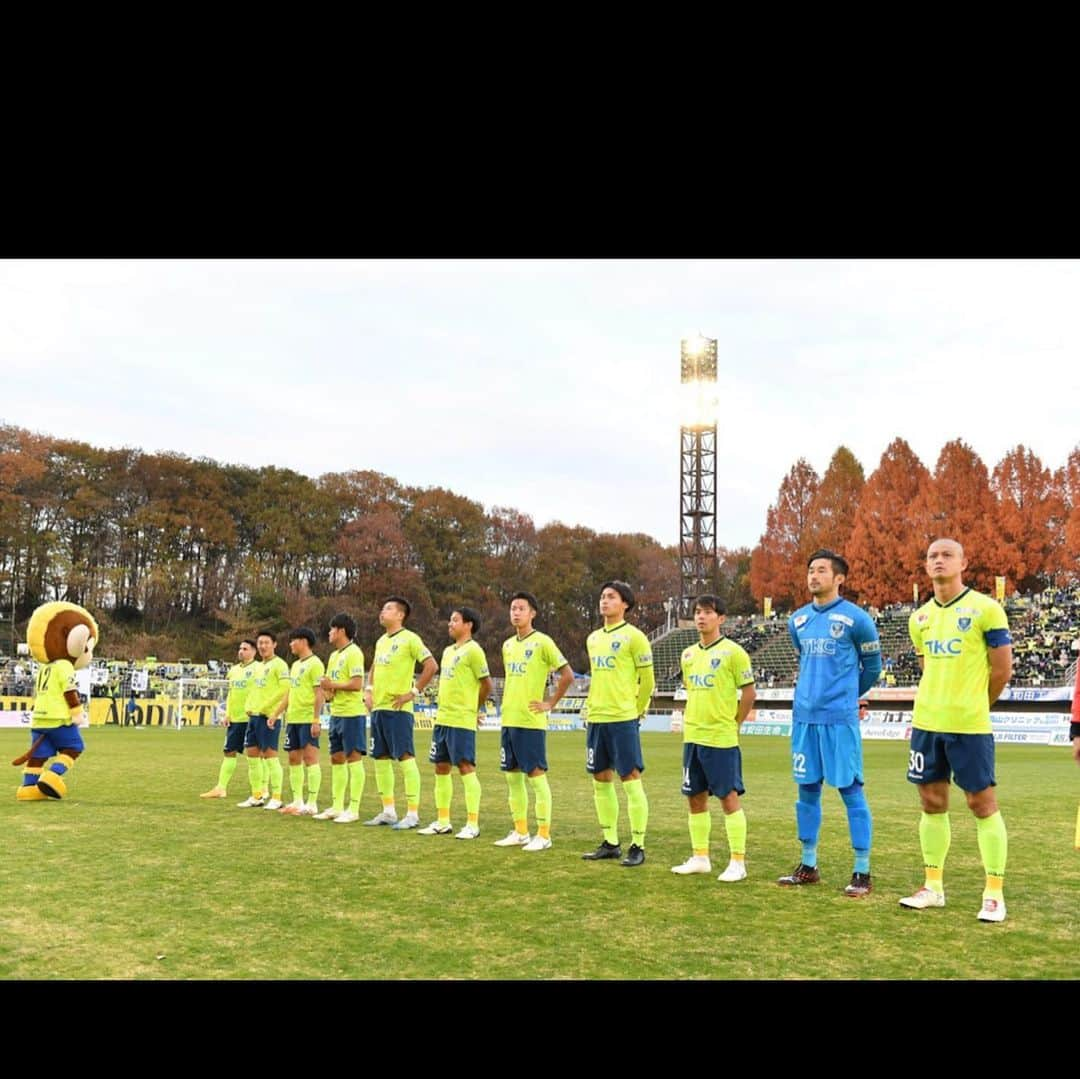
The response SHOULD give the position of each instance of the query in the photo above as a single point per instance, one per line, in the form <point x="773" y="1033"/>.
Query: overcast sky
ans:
<point x="552" y="386"/>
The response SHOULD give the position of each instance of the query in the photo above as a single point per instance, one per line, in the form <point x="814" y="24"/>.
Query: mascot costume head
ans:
<point x="62" y="638"/>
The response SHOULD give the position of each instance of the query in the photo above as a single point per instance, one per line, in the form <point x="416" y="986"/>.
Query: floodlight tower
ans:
<point x="697" y="465"/>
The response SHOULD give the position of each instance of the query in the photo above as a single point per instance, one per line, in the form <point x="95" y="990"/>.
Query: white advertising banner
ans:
<point x="25" y="719"/>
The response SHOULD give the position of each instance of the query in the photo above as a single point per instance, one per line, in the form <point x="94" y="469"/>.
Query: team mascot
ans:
<point x="62" y="637"/>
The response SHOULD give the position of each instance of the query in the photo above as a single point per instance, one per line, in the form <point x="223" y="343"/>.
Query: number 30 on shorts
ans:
<point x="916" y="763"/>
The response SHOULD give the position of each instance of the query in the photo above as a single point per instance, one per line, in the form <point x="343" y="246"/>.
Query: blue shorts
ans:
<point x="299" y="736"/>
<point x="712" y="769"/>
<point x="348" y="734"/>
<point x="259" y="734"/>
<point x="452" y="745"/>
<point x="614" y="745"/>
<point x="829" y="751"/>
<point x="235" y="737"/>
<point x="56" y="740"/>
<point x="524" y="748"/>
<point x="392" y="734"/>
<point x="968" y="757"/>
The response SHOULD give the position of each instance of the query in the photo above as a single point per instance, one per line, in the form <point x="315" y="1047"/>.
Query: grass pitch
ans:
<point x="134" y="877"/>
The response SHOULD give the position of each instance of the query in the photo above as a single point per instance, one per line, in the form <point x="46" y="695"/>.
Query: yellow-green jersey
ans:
<point x="621" y="683"/>
<point x="53" y="681"/>
<point x="954" y="640"/>
<point x="268" y="685"/>
<point x="527" y="662"/>
<point x="396" y="657"/>
<point x="241" y="679"/>
<point x="463" y="667"/>
<point x="344" y="665"/>
<point x="712" y="674"/>
<point x="304" y="679"/>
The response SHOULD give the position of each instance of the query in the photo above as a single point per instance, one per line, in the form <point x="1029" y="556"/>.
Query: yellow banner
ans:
<point x="766" y="606"/>
<point x="999" y="588"/>
<point x="915" y="592"/>
<point x="148" y="711"/>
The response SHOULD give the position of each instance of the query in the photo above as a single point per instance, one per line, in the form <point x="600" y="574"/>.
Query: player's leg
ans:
<point x="928" y="768"/>
<point x="695" y="788"/>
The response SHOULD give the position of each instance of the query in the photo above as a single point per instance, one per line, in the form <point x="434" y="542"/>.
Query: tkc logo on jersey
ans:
<point x="943" y="648"/>
<point x="819" y="646"/>
<point x="515" y="668"/>
<point x="605" y="663"/>
<point x="702" y="681"/>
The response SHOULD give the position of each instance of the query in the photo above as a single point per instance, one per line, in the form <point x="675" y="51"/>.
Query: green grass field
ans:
<point x="133" y="877"/>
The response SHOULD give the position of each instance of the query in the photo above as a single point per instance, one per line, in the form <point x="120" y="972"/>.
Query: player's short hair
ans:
<point x="346" y="622"/>
<point x="624" y="590"/>
<point x="303" y="633"/>
<point x="470" y="615"/>
<point x="529" y="598"/>
<point x="839" y="562"/>
<point x="710" y="603"/>
<point x="267" y="633"/>
<point x="248" y="640"/>
<point x="402" y="602"/>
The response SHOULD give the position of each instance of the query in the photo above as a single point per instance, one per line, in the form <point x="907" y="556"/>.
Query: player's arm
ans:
<point x="916" y="641"/>
<point x="566" y="678"/>
<point x="748" y="694"/>
<point x="486" y="686"/>
<point x="1001" y="665"/>
<point x="278" y="710"/>
<point x="427" y="672"/>
<point x="869" y="645"/>
<point x="646" y="685"/>
<point x="1074" y="727"/>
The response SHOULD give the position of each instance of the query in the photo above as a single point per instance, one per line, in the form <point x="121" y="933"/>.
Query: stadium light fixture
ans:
<point x="697" y="458"/>
<point x="700" y="403"/>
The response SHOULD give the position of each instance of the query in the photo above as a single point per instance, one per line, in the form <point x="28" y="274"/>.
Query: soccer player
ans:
<point x="528" y="658"/>
<point x="343" y="684"/>
<point x="619" y="692"/>
<point x="839" y="660"/>
<point x="965" y="651"/>
<point x="714" y="671"/>
<point x="1074" y="726"/>
<point x="236" y="720"/>
<point x="389" y="697"/>
<point x="302" y="708"/>
<point x="269" y="683"/>
<point x="464" y="685"/>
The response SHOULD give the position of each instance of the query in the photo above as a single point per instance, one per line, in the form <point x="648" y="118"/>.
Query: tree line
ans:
<point x="158" y="543"/>
<point x="1020" y="521"/>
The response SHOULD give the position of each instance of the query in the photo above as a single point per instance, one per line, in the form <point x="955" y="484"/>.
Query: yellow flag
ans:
<point x="999" y="588"/>
<point x="767" y="606"/>
<point x="915" y="592"/>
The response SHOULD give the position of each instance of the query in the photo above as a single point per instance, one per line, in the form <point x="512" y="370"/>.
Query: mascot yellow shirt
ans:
<point x="53" y="681"/>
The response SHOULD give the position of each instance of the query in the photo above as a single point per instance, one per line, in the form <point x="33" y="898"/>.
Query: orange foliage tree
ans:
<point x="963" y="508"/>
<point x="774" y="564"/>
<point x="1029" y="517"/>
<point x="832" y="512"/>
<point x="891" y="530"/>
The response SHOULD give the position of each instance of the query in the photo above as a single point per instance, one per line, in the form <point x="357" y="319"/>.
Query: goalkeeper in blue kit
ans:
<point x="839" y="660"/>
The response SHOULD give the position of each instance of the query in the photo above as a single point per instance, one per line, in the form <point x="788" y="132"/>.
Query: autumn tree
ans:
<point x="891" y="531"/>
<point x="831" y="516"/>
<point x="962" y="507"/>
<point x="1068" y="486"/>
<point x="775" y="568"/>
<point x="1029" y="516"/>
